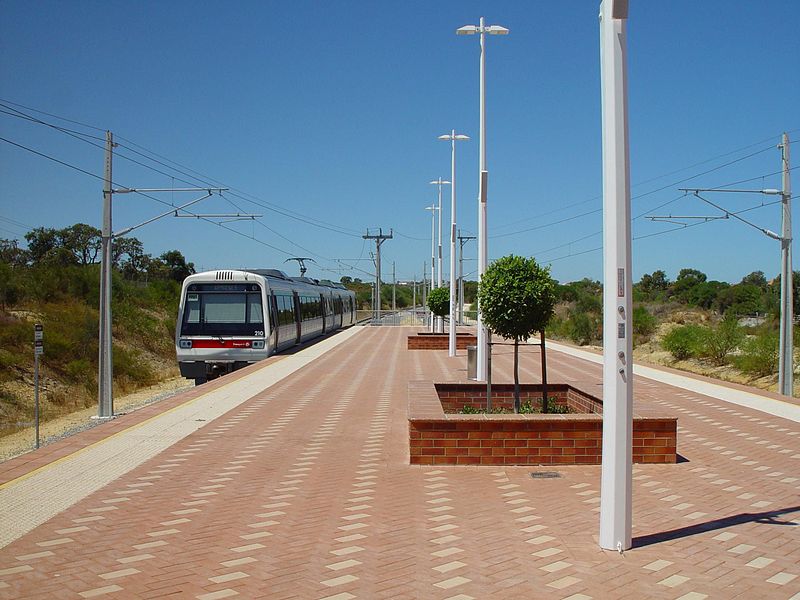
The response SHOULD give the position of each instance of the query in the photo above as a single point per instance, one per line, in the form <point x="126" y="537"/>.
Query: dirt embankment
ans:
<point x="24" y="440"/>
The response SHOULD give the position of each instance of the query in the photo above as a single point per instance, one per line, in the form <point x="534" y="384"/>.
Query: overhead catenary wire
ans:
<point x="159" y="200"/>
<point x="204" y="180"/>
<point x="82" y="137"/>
<point x="636" y="197"/>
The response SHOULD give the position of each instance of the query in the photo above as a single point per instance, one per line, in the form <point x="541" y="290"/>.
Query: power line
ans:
<point x="17" y="223"/>
<point x="76" y="134"/>
<point x="639" y="196"/>
<point x="159" y="200"/>
<point x="48" y="157"/>
<point x="657" y="233"/>
<point x="204" y="179"/>
<point x="52" y="115"/>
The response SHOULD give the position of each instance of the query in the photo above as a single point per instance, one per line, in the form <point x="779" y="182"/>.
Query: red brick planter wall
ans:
<point x="455" y="396"/>
<point x="436" y="438"/>
<point x="440" y="341"/>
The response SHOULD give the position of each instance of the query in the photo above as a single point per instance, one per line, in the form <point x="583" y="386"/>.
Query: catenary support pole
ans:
<point x="433" y="209"/>
<point x="616" y="471"/>
<point x="785" y="371"/>
<point x="414" y="302"/>
<point x="463" y="239"/>
<point x="424" y="288"/>
<point x="379" y="239"/>
<point x="451" y="347"/>
<point x="105" y="400"/>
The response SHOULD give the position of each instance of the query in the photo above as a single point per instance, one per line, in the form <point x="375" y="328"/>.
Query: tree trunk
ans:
<point x="544" y="373"/>
<point x="516" y="375"/>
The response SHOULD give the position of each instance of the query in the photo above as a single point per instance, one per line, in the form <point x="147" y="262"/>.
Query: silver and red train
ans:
<point x="230" y="319"/>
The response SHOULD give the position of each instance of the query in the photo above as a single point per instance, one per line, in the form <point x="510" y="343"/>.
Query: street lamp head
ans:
<point x="496" y="30"/>
<point x="446" y="137"/>
<point x="440" y="181"/>
<point x="467" y="30"/>
<point x="461" y="136"/>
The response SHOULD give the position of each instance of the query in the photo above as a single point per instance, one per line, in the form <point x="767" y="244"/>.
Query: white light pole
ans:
<point x="440" y="182"/>
<point x="483" y="183"/>
<point x="616" y="471"/>
<point x="433" y="210"/>
<point x="452" y="137"/>
<point x="785" y="372"/>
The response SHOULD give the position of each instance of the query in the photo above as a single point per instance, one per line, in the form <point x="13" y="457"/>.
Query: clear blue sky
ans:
<point x="331" y="110"/>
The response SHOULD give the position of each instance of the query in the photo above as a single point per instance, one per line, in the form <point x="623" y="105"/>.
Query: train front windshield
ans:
<point x="216" y="309"/>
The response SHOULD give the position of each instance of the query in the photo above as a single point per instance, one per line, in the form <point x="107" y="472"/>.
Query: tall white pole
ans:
<point x="452" y="344"/>
<point x="439" y="320"/>
<point x="483" y="242"/>
<point x="414" y="302"/>
<point x="460" y="280"/>
<point x="105" y="399"/>
<point x="785" y="371"/>
<point x="432" y="208"/>
<point x="616" y="472"/>
<point x="424" y="287"/>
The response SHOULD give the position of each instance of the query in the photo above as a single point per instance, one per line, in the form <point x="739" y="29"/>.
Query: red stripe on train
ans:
<point x="221" y="343"/>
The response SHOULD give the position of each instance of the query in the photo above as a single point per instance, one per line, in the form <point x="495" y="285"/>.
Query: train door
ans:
<point x="298" y="316"/>
<point x="274" y="321"/>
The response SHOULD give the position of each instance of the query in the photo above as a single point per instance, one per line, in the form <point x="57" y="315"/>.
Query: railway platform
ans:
<point x="291" y="479"/>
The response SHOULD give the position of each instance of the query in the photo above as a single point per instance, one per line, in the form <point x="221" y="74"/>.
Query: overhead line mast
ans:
<point x="379" y="239"/>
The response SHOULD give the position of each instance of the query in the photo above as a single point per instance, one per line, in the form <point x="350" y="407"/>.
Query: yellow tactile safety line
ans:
<point x="80" y="451"/>
<point x="112" y="436"/>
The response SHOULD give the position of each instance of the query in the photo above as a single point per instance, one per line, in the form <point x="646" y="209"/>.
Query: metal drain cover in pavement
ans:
<point x="545" y="474"/>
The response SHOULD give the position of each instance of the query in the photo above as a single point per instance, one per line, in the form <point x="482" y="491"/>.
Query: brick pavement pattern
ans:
<point x="302" y="489"/>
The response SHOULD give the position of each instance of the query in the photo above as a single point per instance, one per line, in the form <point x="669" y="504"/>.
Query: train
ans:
<point x="228" y="319"/>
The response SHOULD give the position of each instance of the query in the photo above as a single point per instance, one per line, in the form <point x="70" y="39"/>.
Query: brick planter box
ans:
<point x="455" y="396"/>
<point x="437" y="438"/>
<point x="440" y="341"/>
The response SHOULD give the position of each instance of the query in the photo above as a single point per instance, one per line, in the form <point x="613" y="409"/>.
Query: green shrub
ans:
<point x="82" y="372"/>
<point x="581" y="328"/>
<point x="720" y="341"/>
<point x="759" y="354"/>
<point x="684" y="342"/>
<point x="129" y="368"/>
<point x="644" y="323"/>
<point x="439" y="301"/>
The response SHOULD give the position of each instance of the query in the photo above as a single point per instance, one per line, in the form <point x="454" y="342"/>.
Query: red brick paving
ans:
<point x="304" y="491"/>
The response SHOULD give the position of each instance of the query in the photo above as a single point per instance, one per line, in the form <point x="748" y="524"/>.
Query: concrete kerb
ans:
<point x="34" y="498"/>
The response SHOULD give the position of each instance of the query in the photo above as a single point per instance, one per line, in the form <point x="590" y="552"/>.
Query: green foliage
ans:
<point x="653" y="286"/>
<point x="760" y="354"/>
<point x="470" y="410"/>
<point x="684" y="342"/>
<point x="644" y="323"/>
<point x="517" y="297"/>
<point x="583" y="328"/>
<point x="439" y="301"/>
<point x="131" y="370"/>
<point x="528" y="408"/>
<point x="720" y="341"/>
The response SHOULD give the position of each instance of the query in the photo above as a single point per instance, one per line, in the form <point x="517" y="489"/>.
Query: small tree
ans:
<point x="439" y="301"/>
<point x="516" y="298"/>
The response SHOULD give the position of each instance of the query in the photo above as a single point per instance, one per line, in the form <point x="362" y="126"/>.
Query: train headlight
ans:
<point x="185" y="344"/>
<point x="258" y="344"/>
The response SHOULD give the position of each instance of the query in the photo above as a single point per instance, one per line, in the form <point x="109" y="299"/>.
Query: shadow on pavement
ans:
<point x="767" y="518"/>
